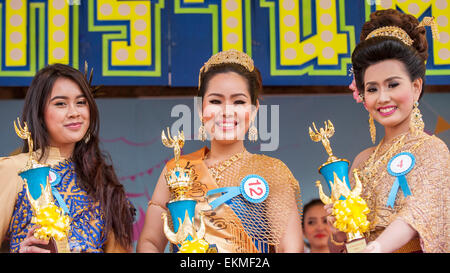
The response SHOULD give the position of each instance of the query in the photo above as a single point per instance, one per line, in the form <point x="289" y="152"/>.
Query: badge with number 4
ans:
<point x="399" y="166"/>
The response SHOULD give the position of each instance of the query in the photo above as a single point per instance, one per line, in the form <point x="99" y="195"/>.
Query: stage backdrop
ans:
<point x="131" y="133"/>
<point x="165" y="42"/>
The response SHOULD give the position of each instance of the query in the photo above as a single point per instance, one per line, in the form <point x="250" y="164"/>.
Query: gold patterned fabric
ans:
<point x="426" y="210"/>
<point x="238" y="225"/>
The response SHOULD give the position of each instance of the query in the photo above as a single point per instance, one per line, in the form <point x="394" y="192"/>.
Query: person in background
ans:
<point x="315" y="227"/>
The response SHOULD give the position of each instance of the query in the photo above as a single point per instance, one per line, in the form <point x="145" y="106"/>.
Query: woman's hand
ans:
<point x="330" y="218"/>
<point x="337" y="237"/>
<point x="372" y="247"/>
<point x="31" y="244"/>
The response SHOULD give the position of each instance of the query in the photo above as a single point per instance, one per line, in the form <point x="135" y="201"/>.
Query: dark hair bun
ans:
<point x="409" y="23"/>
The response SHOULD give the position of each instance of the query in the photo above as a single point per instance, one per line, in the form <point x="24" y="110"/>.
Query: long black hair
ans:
<point x="93" y="171"/>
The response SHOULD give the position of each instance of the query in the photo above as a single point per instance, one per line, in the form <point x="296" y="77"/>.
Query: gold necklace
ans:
<point x="372" y="165"/>
<point x="377" y="177"/>
<point x="216" y="170"/>
<point x="369" y="171"/>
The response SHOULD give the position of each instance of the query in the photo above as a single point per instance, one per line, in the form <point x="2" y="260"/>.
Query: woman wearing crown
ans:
<point x="61" y="118"/>
<point x="229" y="85"/>
<point x="406" y="175"/>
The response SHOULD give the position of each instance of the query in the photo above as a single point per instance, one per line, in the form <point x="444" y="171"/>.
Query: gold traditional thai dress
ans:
<point x="238" y="225"/>
<point x="426" y="209"/>
<point x="87" y="232"/>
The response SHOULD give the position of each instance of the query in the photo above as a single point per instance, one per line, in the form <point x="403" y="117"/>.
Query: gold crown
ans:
<point x="391" y="31"/>
<point x="226" y="57"/>
<point x="339" y="188"/>
<point x="179" y="181"/>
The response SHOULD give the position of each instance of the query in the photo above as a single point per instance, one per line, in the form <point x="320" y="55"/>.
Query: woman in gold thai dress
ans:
<point x="229" y="85"/>
<point x="405" y="177"/>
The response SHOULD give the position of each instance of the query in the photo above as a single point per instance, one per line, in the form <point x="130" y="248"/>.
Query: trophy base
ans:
<point x="212" y="249"/>
<point x="356" y="246"/>
<point x="56" y="246"/>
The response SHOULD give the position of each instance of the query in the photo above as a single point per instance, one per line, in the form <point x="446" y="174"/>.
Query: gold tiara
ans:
<point x="399" y="33"/>
<point x="430" y="22"/>
<point x="391" y="31"/>
<point x="226" y="57"/>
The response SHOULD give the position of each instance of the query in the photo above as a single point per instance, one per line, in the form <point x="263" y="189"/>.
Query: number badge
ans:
<point x="254" y="188"/>
<point x="399" y="166"/>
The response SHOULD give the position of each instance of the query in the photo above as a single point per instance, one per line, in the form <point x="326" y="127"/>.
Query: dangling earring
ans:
<point x="372" y="129"/>
<point x="202" y="132"/>
<point x="87" y="137"/>
<point x="253" y="133"/>
<point x="416" y="124"/>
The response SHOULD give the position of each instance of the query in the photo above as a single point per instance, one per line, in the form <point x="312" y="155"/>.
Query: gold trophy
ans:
<point x="54" y="224"/>
<point x="349" y="209"/>
<point x="185" y="237"/>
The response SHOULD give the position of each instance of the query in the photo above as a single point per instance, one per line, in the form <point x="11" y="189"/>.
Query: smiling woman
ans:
<point x="261" y="219"/>
<point x="390" y="95"/>
<point x="62" y="117"/>
<point x="227" y="109"/>
<point x="406" y="175"/>
<point x="66" y="115"/>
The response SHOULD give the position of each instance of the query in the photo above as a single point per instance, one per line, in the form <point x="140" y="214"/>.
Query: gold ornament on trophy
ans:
<point x="54" y="224"/>
<point x="350" y="212"/>
<point x="24" y="133"/>
<point x="349" y="209"/>
<point x="182" y="208"/>
<point x="323" y="135"/>
<point x="178" y="179"/>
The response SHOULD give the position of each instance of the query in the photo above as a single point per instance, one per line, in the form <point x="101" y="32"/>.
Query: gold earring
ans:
<point x="416" y="124"/>
<point x="253" y="133"/>
<point x="202" y="132"/>
<point x="372" y="129"/>
<point x="87" y="137"/>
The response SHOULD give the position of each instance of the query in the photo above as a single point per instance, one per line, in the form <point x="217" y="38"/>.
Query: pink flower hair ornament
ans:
<point x="356" y="95"/>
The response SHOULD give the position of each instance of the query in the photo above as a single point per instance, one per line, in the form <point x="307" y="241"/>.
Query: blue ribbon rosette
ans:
<point x="399" y="166"/>
<point x="253" y="187"/>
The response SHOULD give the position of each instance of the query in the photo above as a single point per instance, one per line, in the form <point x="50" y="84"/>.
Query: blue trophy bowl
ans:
<point x="340" y="167"/>
<point x="178" y="210"/>
<point x="35" y="178"/>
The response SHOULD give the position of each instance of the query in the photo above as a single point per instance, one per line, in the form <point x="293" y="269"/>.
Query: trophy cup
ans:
<point x="349" y="208"/>
<point x="185" y="238"/>
<point x="54" y="224"/>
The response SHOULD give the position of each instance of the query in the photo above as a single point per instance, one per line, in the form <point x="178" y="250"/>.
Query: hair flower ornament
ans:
<point x="356" y="95"/>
